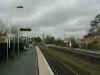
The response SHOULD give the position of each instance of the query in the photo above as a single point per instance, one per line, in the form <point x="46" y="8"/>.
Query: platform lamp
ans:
<point x="19" y="7"/>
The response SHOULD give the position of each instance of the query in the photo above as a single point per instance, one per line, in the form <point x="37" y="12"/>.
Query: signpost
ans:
<point x="26" y="30"/>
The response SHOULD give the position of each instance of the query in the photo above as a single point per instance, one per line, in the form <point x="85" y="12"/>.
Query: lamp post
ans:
<point x="9" y="35"/>
<point x="19" y="7"/>
<point x="8" y="40"/>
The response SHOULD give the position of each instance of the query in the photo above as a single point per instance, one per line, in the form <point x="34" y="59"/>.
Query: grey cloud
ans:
<point x="55" y="17"/>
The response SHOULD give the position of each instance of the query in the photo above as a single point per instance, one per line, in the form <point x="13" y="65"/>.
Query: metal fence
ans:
<point x="13" y="48"/>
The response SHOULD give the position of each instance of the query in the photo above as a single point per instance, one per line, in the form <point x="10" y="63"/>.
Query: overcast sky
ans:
<point x="55" y="17"/>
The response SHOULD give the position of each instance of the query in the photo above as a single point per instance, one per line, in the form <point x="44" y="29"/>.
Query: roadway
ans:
<point x="23" y="65"/>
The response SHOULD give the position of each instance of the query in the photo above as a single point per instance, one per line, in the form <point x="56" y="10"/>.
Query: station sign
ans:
<point x="26" y="29"/>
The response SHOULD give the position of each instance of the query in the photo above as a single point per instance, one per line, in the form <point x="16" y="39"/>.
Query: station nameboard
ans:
<point x="25" y="29"/>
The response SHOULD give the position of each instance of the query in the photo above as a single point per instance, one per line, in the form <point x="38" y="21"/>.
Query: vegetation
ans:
<point x="55" y="41"/>
<point x="37" y="39"/>
<point x="94" y="45"/>
<point x="50" y="40"/>
<point x="74" y="43"/>
<point x="95" y="23"/>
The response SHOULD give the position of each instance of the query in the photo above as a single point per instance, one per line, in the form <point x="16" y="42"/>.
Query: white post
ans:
<point x="27" y="39"/>
<point x="14" y="44"/>
<point x="8" y="39"/>
<point x="7" y="50"/>
<point x="70" y="44"/>
<point x="18" y="42"/>
<point x="9" y="35"/>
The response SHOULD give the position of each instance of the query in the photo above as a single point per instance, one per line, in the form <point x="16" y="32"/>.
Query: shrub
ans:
<point x="94" y="45"/>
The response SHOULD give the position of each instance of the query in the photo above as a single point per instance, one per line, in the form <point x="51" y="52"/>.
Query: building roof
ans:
<point x="3" y="34"/>
<point x="94" y="34"/>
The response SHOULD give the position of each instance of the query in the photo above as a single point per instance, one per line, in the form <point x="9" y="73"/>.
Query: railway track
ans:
<point x="79" y="52"/>
<point x="61" y="67"/>
<point x="56" y="66"/>
<point x="85" y="58"/>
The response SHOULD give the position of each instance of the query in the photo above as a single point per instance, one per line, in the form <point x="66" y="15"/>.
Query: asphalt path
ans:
<point x="23" y="65"/>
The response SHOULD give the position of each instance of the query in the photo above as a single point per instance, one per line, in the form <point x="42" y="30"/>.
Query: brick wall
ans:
<point x="90" y="39"/>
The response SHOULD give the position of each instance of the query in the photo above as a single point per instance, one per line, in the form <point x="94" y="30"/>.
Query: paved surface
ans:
<point x="23" y="65"/>
<point x="44" y="68"/>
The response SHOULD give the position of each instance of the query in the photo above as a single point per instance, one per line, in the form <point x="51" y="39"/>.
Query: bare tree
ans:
<point x="2" y="26"/>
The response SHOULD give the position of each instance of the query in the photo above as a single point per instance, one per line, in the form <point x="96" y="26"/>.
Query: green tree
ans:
<point x="95" y="23"/>
<point x="14" y="30"/>
<point x="2" y="27"/>
<point x="50" y="39"/>
<point x="94" y="45"/>
<point x="60" y="42"/>
<point x="37" y="39"/>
